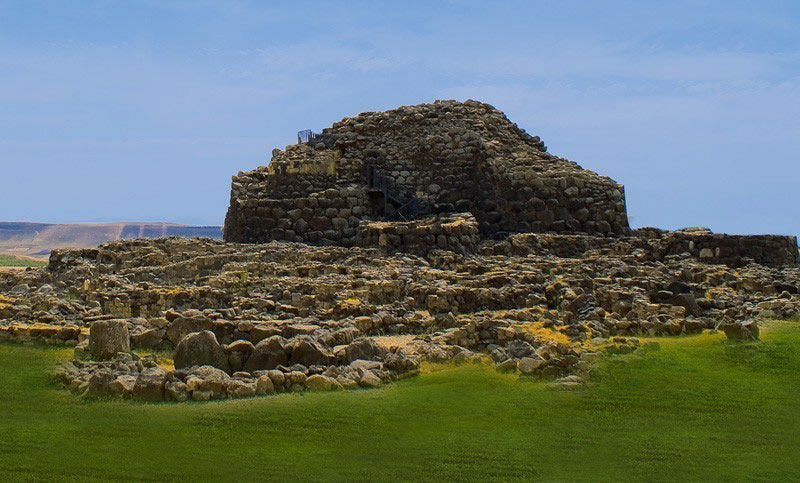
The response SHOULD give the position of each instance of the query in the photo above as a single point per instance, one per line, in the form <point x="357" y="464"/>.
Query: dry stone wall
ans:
<point x="328" y="217"/>
<point x="458" y="233"/>
<point x="445" y="157"/>
<point x="652" y="245"/>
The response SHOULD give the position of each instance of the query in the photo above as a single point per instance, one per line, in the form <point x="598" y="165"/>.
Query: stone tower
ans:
<point x="445" y="157"/>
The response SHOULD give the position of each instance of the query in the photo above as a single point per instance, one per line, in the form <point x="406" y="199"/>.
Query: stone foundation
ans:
<point x="657" y="245"/>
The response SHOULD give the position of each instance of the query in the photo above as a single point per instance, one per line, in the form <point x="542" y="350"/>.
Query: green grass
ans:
<point x="698" y="409"/>
<point x="12" y="261"/>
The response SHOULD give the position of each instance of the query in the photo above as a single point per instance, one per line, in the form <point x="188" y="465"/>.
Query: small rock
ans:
<point x="267" y="354"/>
<point x="240" y="389"/>
<point x="508" y="366"/>
<point x="201" y="395"/>
<point x="100" y="384"/>
<point x="346" y="382"/>
<point x="319" y="382"/>
<point x="21" y="289"/>
<point x="368" y="379"/>
<point x="150" y="385"/>
<point x="741" y="331"/>
<point x="208" y="378"/>
<point x="177" y="391"/>
<point x="529" y="365"/>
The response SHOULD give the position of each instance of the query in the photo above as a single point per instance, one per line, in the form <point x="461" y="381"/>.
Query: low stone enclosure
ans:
<point x="242" y="320"/>
<point x="438" y="233"/>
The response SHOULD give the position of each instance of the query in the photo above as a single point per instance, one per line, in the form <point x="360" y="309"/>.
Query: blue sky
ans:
<point x="142" y="111"/>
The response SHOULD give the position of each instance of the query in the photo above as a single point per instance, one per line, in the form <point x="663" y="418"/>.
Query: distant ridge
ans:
<point x="38" y="239"/>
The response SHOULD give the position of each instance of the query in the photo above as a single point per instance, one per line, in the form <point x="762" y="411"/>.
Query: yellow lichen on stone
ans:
<point x="717" y="292"/>
<point x="176" y="291"/>
<point x="321" y="163"/>
<point x="540" y="332"/>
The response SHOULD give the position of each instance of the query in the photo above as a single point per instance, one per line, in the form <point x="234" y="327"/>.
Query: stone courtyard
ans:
<point x="432" y="233"/>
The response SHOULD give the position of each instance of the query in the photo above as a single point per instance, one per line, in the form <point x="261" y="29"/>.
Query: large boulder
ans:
<point x="183" y="326"/>
<point x="267" y="354"/>
<point x="107" y="337"/>
<point x="200" y="349"/>
<point x="308" y="352"/>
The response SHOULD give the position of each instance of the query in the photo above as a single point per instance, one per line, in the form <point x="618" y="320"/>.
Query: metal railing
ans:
<point x="306" y="136"/>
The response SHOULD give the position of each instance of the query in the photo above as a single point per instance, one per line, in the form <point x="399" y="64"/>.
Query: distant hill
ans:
<point x="38" y="239"/>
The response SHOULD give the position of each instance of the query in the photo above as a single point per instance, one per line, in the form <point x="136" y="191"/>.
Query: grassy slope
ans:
<point x="12" y="261"/>
<point x="697" y="409"/>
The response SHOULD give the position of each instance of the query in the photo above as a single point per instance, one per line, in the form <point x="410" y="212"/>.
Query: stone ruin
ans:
<point x="437" y="232"/>
<point x="440" y="158"/>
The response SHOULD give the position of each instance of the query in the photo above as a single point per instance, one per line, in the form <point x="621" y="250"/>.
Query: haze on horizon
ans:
<point x="142" y="111"/>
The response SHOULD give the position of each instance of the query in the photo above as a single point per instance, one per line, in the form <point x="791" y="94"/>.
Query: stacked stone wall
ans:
<point x="328" y="217"/>
<point x="567" y="202"/>
<point x="734" y="250"/>
<point x="656" y="245"/>
<point x="458" y="233"/>
<point x="449" y="156"/>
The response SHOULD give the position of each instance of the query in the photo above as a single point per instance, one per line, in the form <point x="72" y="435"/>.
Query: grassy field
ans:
<point x="697" y="409"/>
<point x="12" y="261"/>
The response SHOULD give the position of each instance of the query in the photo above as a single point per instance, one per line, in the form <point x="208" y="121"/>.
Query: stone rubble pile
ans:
<point x="204" y="370"/>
